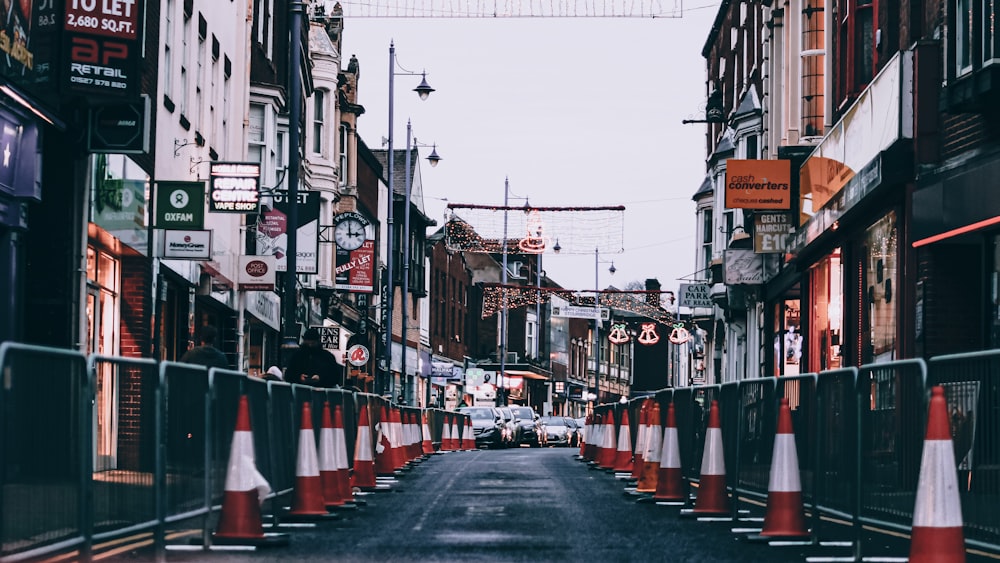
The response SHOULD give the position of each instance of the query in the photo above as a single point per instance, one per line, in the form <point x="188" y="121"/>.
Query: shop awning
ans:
<point x="524" y="374"/>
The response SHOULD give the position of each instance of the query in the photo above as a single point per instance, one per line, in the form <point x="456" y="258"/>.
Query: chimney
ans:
<point x="653" y="286"/>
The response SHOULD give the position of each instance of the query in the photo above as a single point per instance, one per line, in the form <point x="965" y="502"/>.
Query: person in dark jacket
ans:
<point x="206" y="354"/>
<point x="312" y="365"/>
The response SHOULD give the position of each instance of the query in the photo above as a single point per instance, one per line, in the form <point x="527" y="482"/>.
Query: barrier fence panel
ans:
<point x="836" y="443"/>
<point x="283" y="432"/>
<point x="972" y="390"/>
<point x="892" y="403"/>
<point x="45" y="455"/>
<point x="752" y="432"/>
<point x="124" y="463"/>
<point x="691" y="406"/>
<point x="185" y="388"/>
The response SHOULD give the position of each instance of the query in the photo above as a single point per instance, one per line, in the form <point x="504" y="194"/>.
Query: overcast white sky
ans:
<point x="575" y="112"/>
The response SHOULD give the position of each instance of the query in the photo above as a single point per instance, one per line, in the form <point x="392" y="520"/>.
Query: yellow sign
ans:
<point x="758" y="184"/>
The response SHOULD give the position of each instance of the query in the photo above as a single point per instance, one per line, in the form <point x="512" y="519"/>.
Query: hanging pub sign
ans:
<point x="235" y="187"/>
<point x="120" y="127"/>
<point x="695" y="295"/>
<point x="187" y="245"/>
<point x="256" y="273"/>
<point x="101" y="39"/>
<point x="771" y="230"/>
<point x="758" y="184"/>
<point x="742" y="266"/>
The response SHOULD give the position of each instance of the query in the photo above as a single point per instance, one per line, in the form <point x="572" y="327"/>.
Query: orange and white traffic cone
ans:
<point x="785" y="516"/>
<point x="468" y="436"/>
<point x="363" y="476"/>
<point x="608" y="449"/>
<point x="650" y="473"/>
<point x="307" y="496"/>
<point x="583" y="439"/>
<point x="623" y="453"/>
<point x="456" y="434"/>
<point x="427" y="444"/>
<point x="446" y="442"/>
<point x="413" y="426"/>
<point x="641" y="436"/>
<point x="669" y="481"/>
<point x="937" y="514"/>
<point x="396" y="439"/>
<point x="712" y="496"/>
<point x="245" y="490"/>
<point x="333" y="468"/>
<point x="593" y="437"/>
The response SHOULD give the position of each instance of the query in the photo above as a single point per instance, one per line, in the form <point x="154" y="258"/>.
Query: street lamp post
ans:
<point x="597" y="322"/>
<point x="502" y="400"/>
<point x="291" y="332"/>
<point x="423" y="90"/>
<point x="434" y="159"/>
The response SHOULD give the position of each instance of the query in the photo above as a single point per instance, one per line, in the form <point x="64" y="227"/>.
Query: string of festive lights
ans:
<point x="632" y="301"/>
<point x="534" y="230"/>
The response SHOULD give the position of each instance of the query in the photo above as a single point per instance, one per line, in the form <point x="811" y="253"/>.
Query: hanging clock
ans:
<point x="349" y="230"/>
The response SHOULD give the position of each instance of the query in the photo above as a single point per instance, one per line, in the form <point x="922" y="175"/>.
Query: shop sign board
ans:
<point x="272" y="231"/>
<point x="119" y="127"/>
<point x="355" y="269"/>
<point x="256" y="273"/>
<point x="771" y="231"/>
<point x="743" y="267"/>
<point x="102" y="46"/>
<point x="329" y="337"/>
<point x="695" y="295"/>
<point x="180" y="205"/>
<point x="235" y="187"/>
<point x="266" y="306"/>
<point x="578" y="312"/>
<point x="187" y="245"/>
<point x="758" y="184"/>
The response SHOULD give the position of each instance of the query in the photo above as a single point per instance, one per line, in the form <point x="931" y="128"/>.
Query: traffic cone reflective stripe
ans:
<point x="245" y="487"/>
<point x="623" y="452"/>
<point x="456" y="435"/>
<point x="937" y="514"/>
<point x="363" y="476"/>
<point x="712" y="496"/>
<point x="469" y="437"/>
<point x="593" y="436"/>
<point x="333" y="467"/>
<point x="607" y="453"/>
<point x="427" y="445"/>
<point x="445" y="435"/>
<point x="649" y="475"/>
<point x="670" y="482"/>
<point x="308" y="494"/>
<point x="640" y="439"/>
<point x="785" y="516"/>
<point x="396" y="439"/>
<point x="583" y="437"/>
<point x="384" y="462"/>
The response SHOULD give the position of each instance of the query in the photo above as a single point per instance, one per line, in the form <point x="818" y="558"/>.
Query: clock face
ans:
<point x="349" y="234"/>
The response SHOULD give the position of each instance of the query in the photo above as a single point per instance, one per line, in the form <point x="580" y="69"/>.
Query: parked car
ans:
<point x="556" y="431"/>
<point x="576" y="431"/>
<point x="486" y="425"/>
<point x="581" y="425"/>
<point x="527" y="422"/>
<point x="511" y="431"/>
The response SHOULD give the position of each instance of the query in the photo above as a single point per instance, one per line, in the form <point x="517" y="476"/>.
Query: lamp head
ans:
<point x="433" y="158"/>
<point x="612" y="269"/>
<point x="423" y="89"/>
<point x="557" y="248"/>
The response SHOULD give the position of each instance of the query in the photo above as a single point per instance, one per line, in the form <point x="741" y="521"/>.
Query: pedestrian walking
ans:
<point x="312" y="365"/>
<point x="206" y="353"/>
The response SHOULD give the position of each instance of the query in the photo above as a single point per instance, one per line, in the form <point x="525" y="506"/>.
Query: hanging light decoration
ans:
<point x="618" y="334"/>
<point x="648" y="335"/>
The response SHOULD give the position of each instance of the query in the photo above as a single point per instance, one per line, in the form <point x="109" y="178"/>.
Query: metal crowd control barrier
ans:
<point x="803" y="402"/>
<point x="972" y="391"/>
<point x="749" y="422"/>
<point x="45" y="422"/>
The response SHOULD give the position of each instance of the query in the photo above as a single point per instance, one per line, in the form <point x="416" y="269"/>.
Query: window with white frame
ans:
<point x="531" y="335"/>
<point x="264" y="12"/>
<point x="168" y="55"/>
<point x="319" y="113"/>
<point x="342" y="156"/>
<point x="963" y="37"/>
<point x="257" y="147"/>
<point x="706" y="239"/>
<point x="185" y="54"/>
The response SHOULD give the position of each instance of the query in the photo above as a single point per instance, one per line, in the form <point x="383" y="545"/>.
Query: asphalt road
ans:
<point x="507" y="505"/>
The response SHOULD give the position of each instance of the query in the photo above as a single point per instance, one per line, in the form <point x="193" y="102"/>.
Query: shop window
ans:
<point x="788" y="339"/>
<point x="826" y="299"/>
<point x="878" y="296"/>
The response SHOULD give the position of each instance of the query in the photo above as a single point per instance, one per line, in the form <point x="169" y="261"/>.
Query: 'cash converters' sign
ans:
<point x="758" y="184"/>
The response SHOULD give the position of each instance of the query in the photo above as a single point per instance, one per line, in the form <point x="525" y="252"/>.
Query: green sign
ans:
<point x="180" y="205"/>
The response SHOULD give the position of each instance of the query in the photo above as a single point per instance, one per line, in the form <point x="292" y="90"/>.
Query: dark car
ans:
<point x="487" y="426"/>
<point x="526" y="420"/>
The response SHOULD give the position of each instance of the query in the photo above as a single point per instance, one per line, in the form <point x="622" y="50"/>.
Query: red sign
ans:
<point x="102" y="45"/>
<point x="355" y="269"/>
<point x="111" y="18"/>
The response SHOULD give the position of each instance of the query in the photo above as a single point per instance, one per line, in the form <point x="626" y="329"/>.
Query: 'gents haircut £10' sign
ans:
<point x="758" y="184"/>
